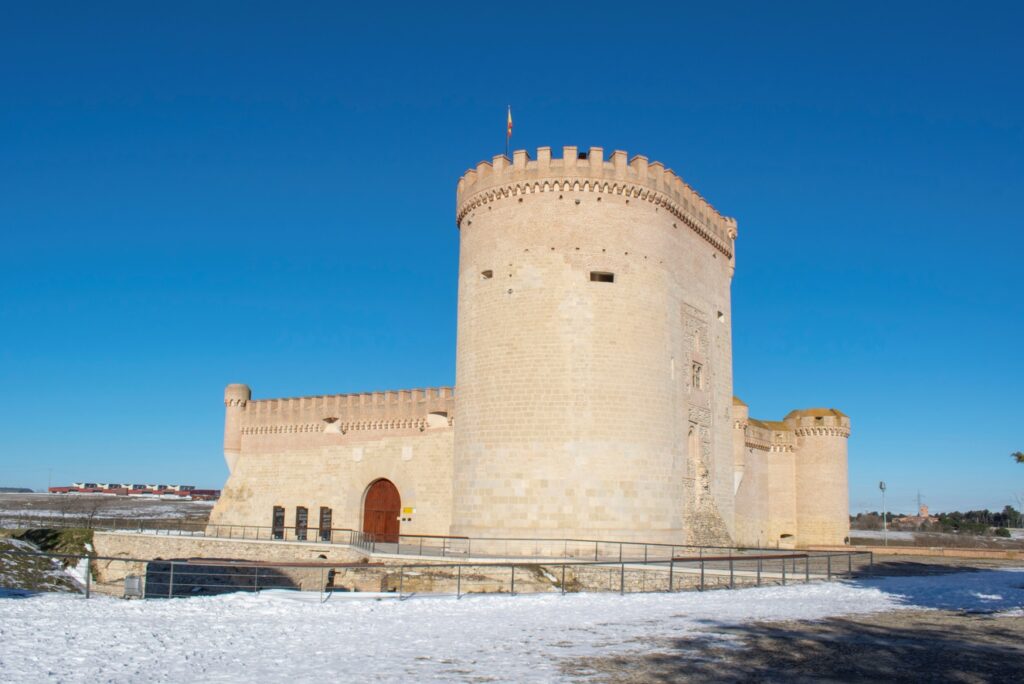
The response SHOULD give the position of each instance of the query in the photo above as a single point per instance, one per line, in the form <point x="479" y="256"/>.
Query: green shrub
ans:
<point x="1002" y="532"/>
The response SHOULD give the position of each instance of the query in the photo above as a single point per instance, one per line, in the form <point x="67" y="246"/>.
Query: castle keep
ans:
<point x="593" y="391"/>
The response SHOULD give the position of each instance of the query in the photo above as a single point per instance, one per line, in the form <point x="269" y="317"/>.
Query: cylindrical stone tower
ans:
<point x="820" y="472"/>
<point x="236" y="396"/>
<point x="594" y="378"/>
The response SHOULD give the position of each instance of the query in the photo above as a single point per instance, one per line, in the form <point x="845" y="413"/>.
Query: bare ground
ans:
<point x="903" y="645"/>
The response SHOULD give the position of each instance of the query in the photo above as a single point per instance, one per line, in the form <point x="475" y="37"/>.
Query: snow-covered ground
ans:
<point x="909" y="535"/>
<point x="290" y="636"/>
<point x="879" y="534"/>
<point x="101" y="506"/>
<point x="37" y="573"/>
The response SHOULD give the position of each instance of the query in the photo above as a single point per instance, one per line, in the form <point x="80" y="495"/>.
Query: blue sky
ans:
<point x="193" y="194"/>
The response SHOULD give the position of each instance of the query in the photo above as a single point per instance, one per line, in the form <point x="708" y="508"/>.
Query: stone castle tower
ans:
<point x="594" y="392"/>
<point x="593" y="366"/>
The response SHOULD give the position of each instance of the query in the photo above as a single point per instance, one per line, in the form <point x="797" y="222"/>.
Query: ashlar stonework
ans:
<point x="594" y="387"/>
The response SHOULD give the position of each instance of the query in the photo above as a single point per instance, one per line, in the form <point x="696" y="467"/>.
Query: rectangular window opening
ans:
<point x="325" y="524"/>
<point x="277" y="523"/>
<point x="301" y="522"/>
<point x="602" y="277"/>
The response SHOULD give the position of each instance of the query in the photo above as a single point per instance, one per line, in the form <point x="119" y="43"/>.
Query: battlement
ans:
<point x="590" y="172"/>
<point x="818" y="422"/>
<point x="777" y="435"/>
<point x="394" y="409"/>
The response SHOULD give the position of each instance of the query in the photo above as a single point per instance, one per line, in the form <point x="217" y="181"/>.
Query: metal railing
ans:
<point x="441" y="546"/>
<point x="174" y="578"/>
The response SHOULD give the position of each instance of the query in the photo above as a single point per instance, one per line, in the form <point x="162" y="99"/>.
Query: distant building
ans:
<point x="128" y="489"/>
<point x="922" y="518"/>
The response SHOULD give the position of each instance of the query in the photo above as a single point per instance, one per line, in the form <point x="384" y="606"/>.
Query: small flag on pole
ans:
<point x="508" y="130"/>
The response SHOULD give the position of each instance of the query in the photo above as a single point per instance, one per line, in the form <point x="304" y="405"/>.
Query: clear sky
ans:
<point x="193" y="194"/>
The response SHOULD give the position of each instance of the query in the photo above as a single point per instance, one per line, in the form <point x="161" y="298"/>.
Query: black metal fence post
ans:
<point x="170" y="582"/>
<point x="758" y="572"/>
<point x="828" y="558"/>
<point x="732" y="575"/>
<point x="458" y="584"/>
<point x="622" y="576"/>
<point x="807" y="568"/>
<point x="513" y="591"/>
<point x="88" y="576"/>
<point x="783" y="572"/>
<point x="702" y="574"/>
<point x="563" y="579"/>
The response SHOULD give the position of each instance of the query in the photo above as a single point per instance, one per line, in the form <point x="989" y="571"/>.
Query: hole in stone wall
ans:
<point x="602" y="277"/>
<point x="486" y="275"/>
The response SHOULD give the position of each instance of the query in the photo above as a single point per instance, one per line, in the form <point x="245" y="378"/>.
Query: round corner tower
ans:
<point x="594" y="360"/>
<point x="820" y="472"/>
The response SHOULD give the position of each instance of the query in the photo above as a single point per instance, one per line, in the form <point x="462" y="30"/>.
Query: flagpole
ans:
<point x="508" y="134"/>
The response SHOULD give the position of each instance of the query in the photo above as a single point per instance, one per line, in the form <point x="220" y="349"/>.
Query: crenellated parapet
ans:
<point x="342" y="413"/>
<point x="818" y="422"/>
<point x="778" y="435"/>
<point x="636" y="178"/>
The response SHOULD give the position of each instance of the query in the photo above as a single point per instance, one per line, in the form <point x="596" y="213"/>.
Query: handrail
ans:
<point x="400" y="544"/>
<point x="219" y="575"/>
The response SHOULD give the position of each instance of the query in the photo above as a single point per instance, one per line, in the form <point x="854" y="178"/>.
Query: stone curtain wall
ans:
<point x="286" y="470"/>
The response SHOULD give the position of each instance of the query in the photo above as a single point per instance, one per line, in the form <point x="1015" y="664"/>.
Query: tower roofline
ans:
<point x="590" y="171"/>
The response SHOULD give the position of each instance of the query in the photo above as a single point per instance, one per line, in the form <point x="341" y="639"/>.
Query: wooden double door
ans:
<point x="382" y="511"/>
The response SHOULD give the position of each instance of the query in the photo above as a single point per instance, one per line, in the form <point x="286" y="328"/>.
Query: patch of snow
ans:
<point x="78" y="571"/>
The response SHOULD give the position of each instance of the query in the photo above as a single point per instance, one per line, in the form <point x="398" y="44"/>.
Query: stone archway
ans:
<point x="382" y="508"/>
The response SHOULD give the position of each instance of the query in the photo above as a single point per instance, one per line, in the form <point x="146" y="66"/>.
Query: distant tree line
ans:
<point x="968" y="522"/>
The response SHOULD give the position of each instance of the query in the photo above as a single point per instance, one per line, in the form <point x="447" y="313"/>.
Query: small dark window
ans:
<point x="301" y="522"/>
<point x="277" y="524"/>
<point x="602" y="277"/>
<point x="325" y="524"/>
<point x="486" y="275"/>
<point x="581" y="155"/>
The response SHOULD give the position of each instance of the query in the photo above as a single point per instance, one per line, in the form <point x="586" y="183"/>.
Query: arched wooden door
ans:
<point x="381" y="511"/>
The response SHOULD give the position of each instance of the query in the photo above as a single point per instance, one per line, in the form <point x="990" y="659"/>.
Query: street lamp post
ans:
<point x="885" y="521"/>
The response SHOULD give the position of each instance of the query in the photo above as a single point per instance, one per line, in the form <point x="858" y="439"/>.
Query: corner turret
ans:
<point x="236" y="398"/>
<point x="820" y="469"/>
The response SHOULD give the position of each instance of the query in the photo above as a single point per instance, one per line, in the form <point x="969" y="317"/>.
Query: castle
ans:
<point x="593" y="395"/>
